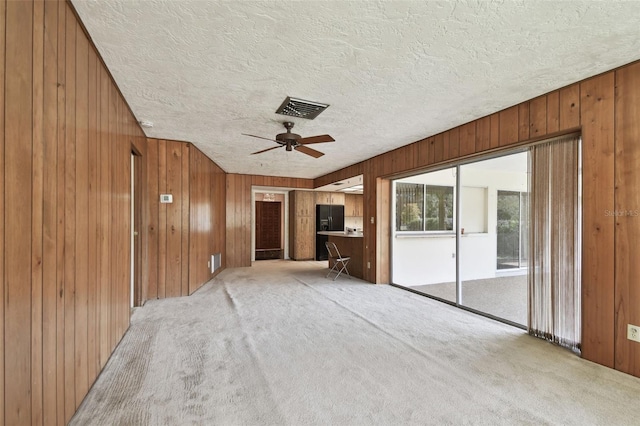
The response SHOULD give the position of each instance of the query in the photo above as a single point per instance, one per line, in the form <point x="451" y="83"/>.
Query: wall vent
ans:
<point x="216" y="261"/>
<point x="300" y="108"/>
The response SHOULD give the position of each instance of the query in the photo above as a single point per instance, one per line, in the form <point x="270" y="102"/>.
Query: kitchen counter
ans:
<point x="340" y="234"/>
<point x="349" y="245"/>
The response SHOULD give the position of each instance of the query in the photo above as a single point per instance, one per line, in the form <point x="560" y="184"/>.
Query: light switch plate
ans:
<point x="633" y="332"/>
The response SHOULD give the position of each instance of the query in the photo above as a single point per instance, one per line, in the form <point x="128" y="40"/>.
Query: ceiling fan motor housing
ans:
<point x="289" y="139"/>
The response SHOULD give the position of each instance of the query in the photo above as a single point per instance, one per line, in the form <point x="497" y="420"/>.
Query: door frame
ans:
<point x="137" y="165"/>
<point x="271" y="190"/>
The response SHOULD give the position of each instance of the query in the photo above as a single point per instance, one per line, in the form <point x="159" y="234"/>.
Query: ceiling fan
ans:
<point x="292" y="141"/>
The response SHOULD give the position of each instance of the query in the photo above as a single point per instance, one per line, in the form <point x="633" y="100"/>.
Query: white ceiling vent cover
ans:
<point x="300" y="108"/>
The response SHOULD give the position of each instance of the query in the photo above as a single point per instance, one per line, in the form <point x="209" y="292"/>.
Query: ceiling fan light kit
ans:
<point x="291" y="141"/>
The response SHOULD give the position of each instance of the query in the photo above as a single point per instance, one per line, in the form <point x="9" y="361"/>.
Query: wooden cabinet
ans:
<point x="302" y="244"/>
<point x="323" y="197"/>
<point x="349" y="205"/>
<point x="352" y="247"/>
<point x="303" y="203"/>
<point x="353" y="205"/>
<point x="336" y="198"/>
<point x="302" y="225"/>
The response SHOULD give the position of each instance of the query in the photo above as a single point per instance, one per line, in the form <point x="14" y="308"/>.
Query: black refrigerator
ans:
<point x="328" y="218"/>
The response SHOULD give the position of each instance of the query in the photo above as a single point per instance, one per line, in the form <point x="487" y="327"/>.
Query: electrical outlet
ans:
<point x="633" y="333"/>
<point x="368" y="265"/>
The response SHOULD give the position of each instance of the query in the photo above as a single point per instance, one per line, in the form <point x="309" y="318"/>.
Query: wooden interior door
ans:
<point x="268" y="230"/>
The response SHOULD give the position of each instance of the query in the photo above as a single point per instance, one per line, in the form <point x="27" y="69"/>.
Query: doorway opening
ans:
<point x="136" y="226"/>
<point x="269" y="226"/>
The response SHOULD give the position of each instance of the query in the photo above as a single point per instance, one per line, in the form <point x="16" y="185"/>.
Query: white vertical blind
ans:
<point x="555" y="256"/>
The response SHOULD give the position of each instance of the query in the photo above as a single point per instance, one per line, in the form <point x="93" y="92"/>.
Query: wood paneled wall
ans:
<point x="606" y="110"/>
<point x="238" y="220"/>
<point x="207" y="220"/>
<point x="183" y="234"/>
<point x="238" y="207"/>
<point x="280" y="182"/>
<point x="67" y="136"/>
<point x="339" y="175"/>
<point x="168" y="226"/>
<point x="627" y="219"/>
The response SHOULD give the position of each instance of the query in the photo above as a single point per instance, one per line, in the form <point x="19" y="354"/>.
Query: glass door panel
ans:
<point x="508" y="230"/>
<point x="493" y="226"/>
<point x="424" y="239"/>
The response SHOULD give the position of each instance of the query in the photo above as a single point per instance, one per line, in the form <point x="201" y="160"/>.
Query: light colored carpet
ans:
<point x="503" y="297"/>
<point x="278" y="344"/>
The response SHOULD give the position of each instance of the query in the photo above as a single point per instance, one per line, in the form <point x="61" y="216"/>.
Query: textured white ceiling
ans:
<point x="393" y="71"/>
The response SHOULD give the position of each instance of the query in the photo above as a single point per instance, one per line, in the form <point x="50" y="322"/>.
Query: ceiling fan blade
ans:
<point x="268" y="149"/>
<point x="309" y="151"/>
<point x="260" y="137"/>
<point x="315" y="139"/>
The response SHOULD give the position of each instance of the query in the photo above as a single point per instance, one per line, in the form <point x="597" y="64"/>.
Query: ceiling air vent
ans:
<point x="300" y="108"/>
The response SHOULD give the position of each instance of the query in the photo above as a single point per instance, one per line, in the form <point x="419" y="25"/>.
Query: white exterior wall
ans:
<point x="430" y="259"/>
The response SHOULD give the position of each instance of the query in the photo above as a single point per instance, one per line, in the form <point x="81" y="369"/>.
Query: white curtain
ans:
<point x="554" y="242"/>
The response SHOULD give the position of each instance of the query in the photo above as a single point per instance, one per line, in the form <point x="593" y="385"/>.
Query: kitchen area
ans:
<point x="320" y="216"/>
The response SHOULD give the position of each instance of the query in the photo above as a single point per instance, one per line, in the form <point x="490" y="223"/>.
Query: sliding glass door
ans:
<point x="424" y="243"/>
<point x="464" y="235"/>
<point x="494" y="225"/>
<point x="460" y="235"/>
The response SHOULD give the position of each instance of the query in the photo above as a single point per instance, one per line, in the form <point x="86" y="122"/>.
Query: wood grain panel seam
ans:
<point x="37" y="194"/>
<point x="615" y="204"/>
<point x="2" y="214"/>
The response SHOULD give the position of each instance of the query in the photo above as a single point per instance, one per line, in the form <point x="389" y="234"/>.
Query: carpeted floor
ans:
<point x="280" y="344"/>
<point x="503" y="297"/>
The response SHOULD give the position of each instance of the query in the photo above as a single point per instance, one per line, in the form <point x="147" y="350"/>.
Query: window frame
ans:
<point x="444" y="189"/>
